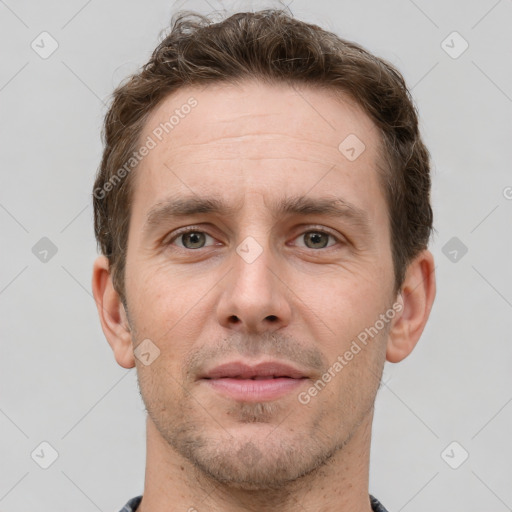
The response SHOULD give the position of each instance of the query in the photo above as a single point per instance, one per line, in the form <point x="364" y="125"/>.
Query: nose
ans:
<point x="254" y="296"/>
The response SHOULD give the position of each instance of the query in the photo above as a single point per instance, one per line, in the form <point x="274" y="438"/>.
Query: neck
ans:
<point x="340" y="485"/>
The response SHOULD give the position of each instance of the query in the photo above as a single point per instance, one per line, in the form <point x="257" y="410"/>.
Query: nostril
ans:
<point x="272" y="318"/>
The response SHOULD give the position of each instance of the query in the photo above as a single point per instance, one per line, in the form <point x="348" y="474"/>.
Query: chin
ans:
<point x="256" y="462"/>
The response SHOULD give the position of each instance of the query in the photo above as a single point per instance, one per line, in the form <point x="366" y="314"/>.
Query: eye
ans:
<point x="317" y="239"/>
<point x="191" y="239"/>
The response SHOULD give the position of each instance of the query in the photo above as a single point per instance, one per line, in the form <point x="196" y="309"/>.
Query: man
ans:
<point x="263" y="214"/>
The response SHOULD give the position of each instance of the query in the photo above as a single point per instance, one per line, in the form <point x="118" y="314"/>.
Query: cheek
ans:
<point x="345" y="304"/>
<point x="351" y="380"/>
<point x="162" y="295"/>
<point x="171" y="309"/>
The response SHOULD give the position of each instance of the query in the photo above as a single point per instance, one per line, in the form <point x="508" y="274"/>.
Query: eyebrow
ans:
<point x="328" y="206"/>
<point x="186" y="206"/>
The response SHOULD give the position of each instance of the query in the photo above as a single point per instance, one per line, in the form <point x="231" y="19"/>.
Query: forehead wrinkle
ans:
<point x="254" y="140"/>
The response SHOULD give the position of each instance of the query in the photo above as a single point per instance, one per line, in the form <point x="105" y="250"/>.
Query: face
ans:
<point x="258" y="257"/>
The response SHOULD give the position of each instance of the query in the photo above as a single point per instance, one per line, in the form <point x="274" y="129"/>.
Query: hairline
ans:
<point x="383" y="165"/>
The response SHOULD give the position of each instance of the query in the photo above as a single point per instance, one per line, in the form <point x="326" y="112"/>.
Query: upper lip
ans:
<point x="241" y="370"/>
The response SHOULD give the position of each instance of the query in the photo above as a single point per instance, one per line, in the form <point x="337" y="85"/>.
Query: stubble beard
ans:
<point x="275" y="459"/>
<point x="281" y="453"/>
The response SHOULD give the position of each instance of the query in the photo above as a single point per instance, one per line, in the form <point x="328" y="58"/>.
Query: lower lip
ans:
<point x="249" y="390"/>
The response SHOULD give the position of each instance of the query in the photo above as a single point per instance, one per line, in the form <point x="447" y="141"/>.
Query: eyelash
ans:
<point x="184" y="231"/>
<point x="195" y="229"/>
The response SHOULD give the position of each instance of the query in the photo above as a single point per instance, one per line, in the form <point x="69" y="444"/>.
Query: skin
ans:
<point x="252" y="145"/>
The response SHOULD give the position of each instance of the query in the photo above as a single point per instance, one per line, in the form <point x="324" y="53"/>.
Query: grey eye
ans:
<point x="316" y="239"/>
<point x="192" y="239"/>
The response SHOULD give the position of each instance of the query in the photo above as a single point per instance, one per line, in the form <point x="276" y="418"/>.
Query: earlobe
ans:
<point x="112" y="315"/>
<point x="417" y="296"/>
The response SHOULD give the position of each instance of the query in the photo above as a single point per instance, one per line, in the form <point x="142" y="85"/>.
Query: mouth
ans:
<point x="265" y="381"/>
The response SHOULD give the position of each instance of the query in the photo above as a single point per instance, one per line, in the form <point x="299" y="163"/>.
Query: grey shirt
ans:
<point x="133" y="504"/>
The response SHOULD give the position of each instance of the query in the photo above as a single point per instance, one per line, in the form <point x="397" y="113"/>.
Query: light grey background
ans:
<point x="59" y="382"/>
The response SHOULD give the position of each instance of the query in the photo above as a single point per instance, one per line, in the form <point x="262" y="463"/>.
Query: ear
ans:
<point x="114" y="321"/>
<point x="416" y="298"/>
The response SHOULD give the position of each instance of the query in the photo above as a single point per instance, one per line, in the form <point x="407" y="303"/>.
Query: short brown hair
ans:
<point x="272" y="46"/>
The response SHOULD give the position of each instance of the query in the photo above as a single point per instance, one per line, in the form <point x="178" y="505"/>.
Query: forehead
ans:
<point x="224" y="110"/>
<point x="258" y="137"/>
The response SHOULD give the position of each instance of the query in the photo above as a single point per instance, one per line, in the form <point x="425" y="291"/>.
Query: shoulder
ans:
<point x="132" y="505"/>
<point x="376" y="505"/>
